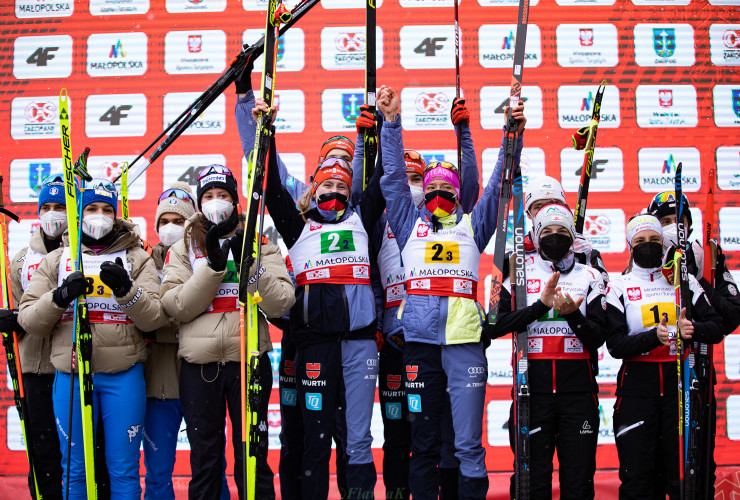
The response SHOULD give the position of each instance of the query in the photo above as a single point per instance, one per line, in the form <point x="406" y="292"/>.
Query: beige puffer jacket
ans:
<point x="35" y="351"/>
<point x="162" y="366"/>
<point x="116" y="347"/>
<point x="214" y="337"/>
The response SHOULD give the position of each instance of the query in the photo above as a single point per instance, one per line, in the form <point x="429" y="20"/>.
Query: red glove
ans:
<point x="379" y="340"/>
<point x="366" y="120"/>
<point x="459" y="112"/>
<point x="580" y="138"/>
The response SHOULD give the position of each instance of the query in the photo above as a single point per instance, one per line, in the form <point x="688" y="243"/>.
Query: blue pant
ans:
<point x="120" y="399"/>
<point x="433" y="374"/>
<point x="161" y="428"/>
<point x="336" y="385"/>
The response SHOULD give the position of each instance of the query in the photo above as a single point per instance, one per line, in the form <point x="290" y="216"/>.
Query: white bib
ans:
<point x="332" y="253"/>
<point x="444" y="263"/>
<point x="31" y="262"/>
<point x="101" y="305"/>
<point x="227" y="295"/>
<point x="392" y="274"/>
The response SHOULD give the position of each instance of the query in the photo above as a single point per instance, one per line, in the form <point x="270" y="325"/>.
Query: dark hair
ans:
<point x="195" y="234"/>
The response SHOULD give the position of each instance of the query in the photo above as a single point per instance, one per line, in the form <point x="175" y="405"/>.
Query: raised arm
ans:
<point x="470" y="183"/>
<point x="286" y="216"/>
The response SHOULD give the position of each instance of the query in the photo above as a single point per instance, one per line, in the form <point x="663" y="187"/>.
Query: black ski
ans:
<point x="369" y="137"/>
<point x="588" y="158"/>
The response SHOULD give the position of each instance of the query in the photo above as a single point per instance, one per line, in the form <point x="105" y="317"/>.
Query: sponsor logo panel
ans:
<point x="25" y="9"/>
<point x="185" y="168"/>
<point x="657" y="169"/>
<point x="426" y="108"/>
<point x="664" y="45"/>
<point x="733" y="417"/>
<point x="585" y="2"/>
<point x="196" y="51"/>
<point x="727" y="105"/>
<point x="666" y="106"/>
<point x="496" y="45"/>
<point x="428" y="3"/>
<point x="494" y="101"/>
<point x="295" y="163"/>
<point x="729" y="228"/>
<point x="115" y="115"/>
<point x="728" y="167"/>
<point x="608" y="366"/>
<point x="340" y="108"/>
<point x="607" y="170"/>
<point x="27" y="177"/>
<point x="290" y="52"/>
<point x="346" y="4"/>
<point x="504" y="3"/>
<point x="117" y="54"/>
<point x="587" y="45"/>
<point x="532" y="164"/>
<point x="575" y="106"/>
<point x="604" y="228"/>
<point x="36" y="117"/>
<point x="118" y="7"/>
<point x="731" y="346"/>
<point x="209" y="122"/>
<point x="42" y="57"/>
<point x="344" y="47"/>
<point x="606" y="422"/>
<point x="111" y="167"/>
<point x="420" y="50"/>
<point x="724" y="2"/>
<point x="176" y="6"/>
<point x="724" y="44"/>
<point x="497" y="419"/>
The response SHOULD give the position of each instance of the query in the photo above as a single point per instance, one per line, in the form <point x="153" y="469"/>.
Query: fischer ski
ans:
<point x="251" y="252"/>
<point x="520" y="348"/>
<point x="10" y="342"/>
<point x="683" y="300"/>
<point x="82" y="337"/>
<point x="201" y="103"/>
<point x="369" y="137"/>
<point x="585" y="138"/>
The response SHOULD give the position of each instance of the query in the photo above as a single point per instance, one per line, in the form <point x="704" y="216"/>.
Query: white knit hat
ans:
<point x="175" y="205"/>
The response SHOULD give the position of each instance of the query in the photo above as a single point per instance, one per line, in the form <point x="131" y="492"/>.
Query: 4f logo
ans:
<point x="41" y="56"/>
<point x="505" y="103"/>
<point x="596" y="167"/>
<point x="430" y="46"/>
<point x="115" y="113"/>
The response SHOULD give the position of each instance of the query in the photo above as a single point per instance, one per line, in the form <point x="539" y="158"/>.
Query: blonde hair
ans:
<point x="304" y="203"/>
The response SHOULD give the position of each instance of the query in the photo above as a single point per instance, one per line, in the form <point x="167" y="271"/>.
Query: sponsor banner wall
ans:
<point x="130" y="67"/>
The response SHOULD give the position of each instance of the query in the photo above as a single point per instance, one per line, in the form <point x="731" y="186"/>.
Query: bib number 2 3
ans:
<point x="442" y="252"/>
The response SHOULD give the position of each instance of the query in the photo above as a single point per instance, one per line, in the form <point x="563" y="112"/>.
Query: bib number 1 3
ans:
<point x="337" y="241"/>
<point x="652" y="314"/>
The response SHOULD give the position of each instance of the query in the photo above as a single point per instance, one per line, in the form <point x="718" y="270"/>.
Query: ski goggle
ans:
<point x="443" y="164"/>
<point x="665" y="197"/>
<point x="54" y="178"/>
<point x="104" y="184"/>
<point x="331" y="162"/>
<point x="180" y="194"/>
<point x="214" y="169"/>
<point x="410" y="154"/>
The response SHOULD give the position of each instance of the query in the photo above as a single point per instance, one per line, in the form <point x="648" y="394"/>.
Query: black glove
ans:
<point x="235" y="243"/>
<point x="72" y="287"/>
<point x="9" y="322"/>
<point x="243" y="80"/>
<point x="217" y="254"/>
<point x="115" y="277"/>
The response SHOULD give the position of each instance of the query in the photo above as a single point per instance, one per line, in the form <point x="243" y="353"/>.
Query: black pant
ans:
<point x="42" y="430"/>
<point x="396" y="425"/>
<point x="646" y="432"/>
<point x="568" y="422"/>
<point x="291" y="429"/>
<point x="206" y="391"/>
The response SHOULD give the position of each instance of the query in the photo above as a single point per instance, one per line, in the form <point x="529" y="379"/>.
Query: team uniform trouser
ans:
<point x="120" y="398"/>
<point x="206" y="391"/>
<point x="291" y="428"/>
<point x="336" y="384"/>
<point x="40" y="425"/>
<point x="432" y="371"/>
<point x="568" y="422"/>
<point x="161" y="431"/>
<point x="646" y="433"/>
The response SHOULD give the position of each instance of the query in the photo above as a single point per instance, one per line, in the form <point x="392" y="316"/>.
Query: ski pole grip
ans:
<point x="580" y="138"/>
<point x="282" y="14"/>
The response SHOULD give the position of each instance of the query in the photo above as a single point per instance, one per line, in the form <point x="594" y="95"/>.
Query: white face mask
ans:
<point x="53" y="223"/>
<point x="670" y="236"/>
<point x="417" y="194"/>
<point x="96" y="225"/>
<point x="169" y="234"/>
<point x="217" y="210"/>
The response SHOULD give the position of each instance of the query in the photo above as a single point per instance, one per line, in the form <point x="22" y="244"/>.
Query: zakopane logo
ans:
<point x="351" y="103"/>
<point x="724" y="44"/>
<point x="350" y="42"/>
<point x="664" y="45"/>
<point x="37" y="174"/>
<point x="664" y="41"/>
<point x="432" y="103"/>
<point x="41" y="112"/>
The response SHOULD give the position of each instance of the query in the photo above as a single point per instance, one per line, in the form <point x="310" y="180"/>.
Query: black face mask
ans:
<point x="332" y="202"/>
<point x="648" y="255"/>
<point x="555" y="246"/>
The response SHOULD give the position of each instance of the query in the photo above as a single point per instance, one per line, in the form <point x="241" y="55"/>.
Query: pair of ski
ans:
<point x="695" y="362"/>
<point x="511" y="186"/>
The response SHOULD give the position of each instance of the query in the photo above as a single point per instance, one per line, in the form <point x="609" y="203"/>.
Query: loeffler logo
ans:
<point x="411" y="372"/>
<point x="634" y="293"/>
<point x="533" y="286"/>
<point x="394" y="382"/>
<point x="313" y="370"/>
